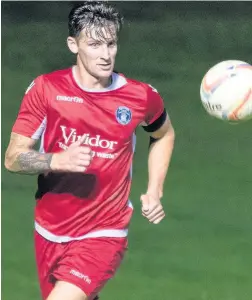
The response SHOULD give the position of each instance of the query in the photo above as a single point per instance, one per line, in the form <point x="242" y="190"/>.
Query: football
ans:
<point x="226" y="91"/>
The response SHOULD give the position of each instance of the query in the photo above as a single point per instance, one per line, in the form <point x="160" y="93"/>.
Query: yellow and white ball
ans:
<point x="226" y="91"/>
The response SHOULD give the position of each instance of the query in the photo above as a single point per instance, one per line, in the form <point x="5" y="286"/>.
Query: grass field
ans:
<point x="202" y="250"/>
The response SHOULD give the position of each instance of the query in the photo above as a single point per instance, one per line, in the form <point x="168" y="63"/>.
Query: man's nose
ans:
<point x="105" y="52"/>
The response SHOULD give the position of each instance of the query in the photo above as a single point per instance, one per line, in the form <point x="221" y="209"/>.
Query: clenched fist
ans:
<point x="152" y="208"/>
<point x="75" y="159"/>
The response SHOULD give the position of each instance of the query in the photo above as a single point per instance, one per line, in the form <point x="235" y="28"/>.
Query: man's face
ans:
<point x="97" y="50"/>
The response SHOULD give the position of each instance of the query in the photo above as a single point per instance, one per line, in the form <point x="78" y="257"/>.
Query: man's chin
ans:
<point x="105" y="73"/>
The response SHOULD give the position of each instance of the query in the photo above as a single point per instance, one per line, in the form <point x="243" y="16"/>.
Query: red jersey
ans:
<point x="58" y="111"/>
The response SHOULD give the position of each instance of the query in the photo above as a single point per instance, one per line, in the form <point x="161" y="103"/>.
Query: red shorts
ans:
<point x="88" y="263"/>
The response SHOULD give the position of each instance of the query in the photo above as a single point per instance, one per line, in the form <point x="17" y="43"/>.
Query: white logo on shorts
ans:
<point x="81" y="276"/>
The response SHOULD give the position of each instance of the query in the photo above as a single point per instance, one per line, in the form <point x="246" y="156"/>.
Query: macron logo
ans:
<point x="70" y="99"/>
<point x="81" y="276"/>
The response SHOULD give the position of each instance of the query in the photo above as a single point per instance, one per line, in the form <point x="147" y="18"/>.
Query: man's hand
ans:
<point x="75" y="159"/>
<point x="152" y="208"/>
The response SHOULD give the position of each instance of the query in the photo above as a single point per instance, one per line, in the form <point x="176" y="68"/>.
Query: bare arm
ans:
<point x="21" y="158"/>
<point x="159" y="157"/>
<point x="158" y="162"/>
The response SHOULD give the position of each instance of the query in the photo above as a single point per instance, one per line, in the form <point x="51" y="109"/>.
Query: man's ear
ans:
<point x="72" y="44"/>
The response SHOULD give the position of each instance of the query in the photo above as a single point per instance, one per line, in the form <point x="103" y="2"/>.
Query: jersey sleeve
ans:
<point x="155" y="106"/>
<point x="32" y="113"/>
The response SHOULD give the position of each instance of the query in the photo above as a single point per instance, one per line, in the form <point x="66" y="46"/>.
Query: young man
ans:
<point x="86" y="117"/>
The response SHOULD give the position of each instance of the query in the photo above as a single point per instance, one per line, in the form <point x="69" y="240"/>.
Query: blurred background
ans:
<point x="203" y="249"/>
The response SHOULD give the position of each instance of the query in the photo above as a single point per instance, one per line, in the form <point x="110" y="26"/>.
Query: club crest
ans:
<point x="123" y="115"/>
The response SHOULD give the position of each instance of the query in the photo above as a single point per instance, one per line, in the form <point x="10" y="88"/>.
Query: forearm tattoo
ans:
<point x="33" y="162"/>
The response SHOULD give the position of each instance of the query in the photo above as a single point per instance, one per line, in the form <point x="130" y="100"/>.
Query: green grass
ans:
<point x="202" y="250"/>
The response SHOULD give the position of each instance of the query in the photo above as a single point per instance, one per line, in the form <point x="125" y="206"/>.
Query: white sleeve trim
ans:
<point x="37" y="134"/>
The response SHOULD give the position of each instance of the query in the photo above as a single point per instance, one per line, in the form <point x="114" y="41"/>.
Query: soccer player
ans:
<point x="85" y="118"/>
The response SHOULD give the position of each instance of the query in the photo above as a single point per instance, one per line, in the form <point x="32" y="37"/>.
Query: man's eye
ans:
<point x="94" y="44"/>
<point x="112" y="44"/>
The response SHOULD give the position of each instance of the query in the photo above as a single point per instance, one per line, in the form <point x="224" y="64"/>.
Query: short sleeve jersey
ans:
<point x="58" y="111"/>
